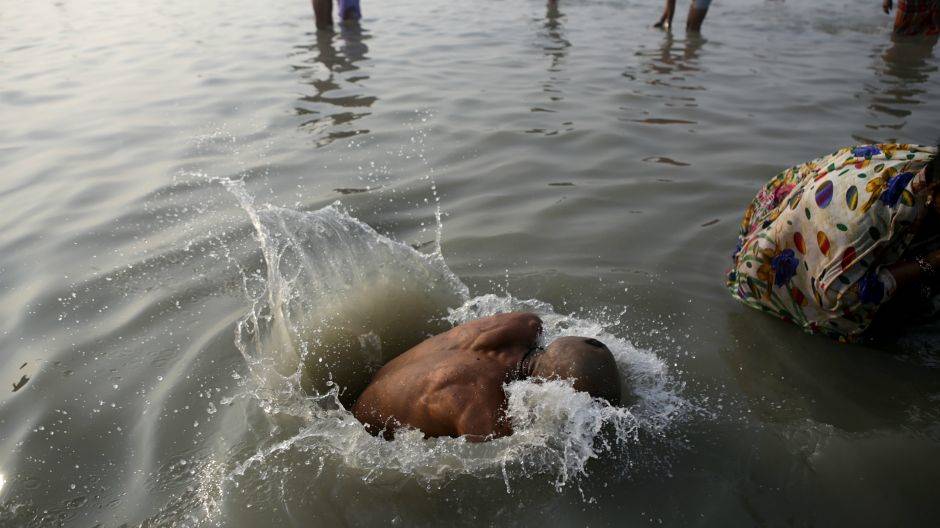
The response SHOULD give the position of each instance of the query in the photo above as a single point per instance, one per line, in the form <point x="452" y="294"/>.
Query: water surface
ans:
<point x="167" y="171"/>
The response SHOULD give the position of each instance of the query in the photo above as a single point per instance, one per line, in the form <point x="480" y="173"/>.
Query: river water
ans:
<point x="217" y="221"/>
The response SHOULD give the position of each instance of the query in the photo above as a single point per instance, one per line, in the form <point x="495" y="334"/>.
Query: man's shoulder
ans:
<point x="515" y="318"/>
<point x="507" y="330"/>
<point x="500" y="320"/>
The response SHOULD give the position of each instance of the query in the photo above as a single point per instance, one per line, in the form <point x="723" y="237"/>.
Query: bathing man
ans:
<point x="452" y="384"/>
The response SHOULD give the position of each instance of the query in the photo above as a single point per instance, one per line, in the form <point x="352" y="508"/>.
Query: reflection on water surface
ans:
<point x="330" y="69"/>
<point x="900" y="73"/>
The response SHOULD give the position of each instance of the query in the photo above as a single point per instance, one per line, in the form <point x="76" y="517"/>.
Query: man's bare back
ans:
<point x="452" y="384"/>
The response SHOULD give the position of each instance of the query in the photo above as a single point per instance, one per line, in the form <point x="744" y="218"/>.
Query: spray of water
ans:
<point x="339" y="300"/>
<point x="331" y="311"/>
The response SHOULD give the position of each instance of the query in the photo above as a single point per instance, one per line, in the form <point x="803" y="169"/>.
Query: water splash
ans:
<point x="339" y="299"/>
<point x="564" y="426"/>
<point x="333" y="299"/>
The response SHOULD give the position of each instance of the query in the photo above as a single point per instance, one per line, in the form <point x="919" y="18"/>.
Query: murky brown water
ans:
<point x="578" y="158"/>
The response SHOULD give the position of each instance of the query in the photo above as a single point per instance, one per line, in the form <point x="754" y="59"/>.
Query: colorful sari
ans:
<point x="815" y="240"/>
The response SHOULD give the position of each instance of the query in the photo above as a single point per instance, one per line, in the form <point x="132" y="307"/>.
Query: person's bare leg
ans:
<point x="323" y="11"/>
<point x="695" y="18"/>
<point x="665" y="21"/>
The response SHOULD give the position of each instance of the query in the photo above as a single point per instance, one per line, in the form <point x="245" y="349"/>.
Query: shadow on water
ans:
<point x="557" y="45"/>
<point x="666" y="73"/>
<point x="554" y="45"/>
<point x="331" y="67"/>
<point x="856" y="389"/>
<point x="900" y="84"/>
<point x="672" y="64"/>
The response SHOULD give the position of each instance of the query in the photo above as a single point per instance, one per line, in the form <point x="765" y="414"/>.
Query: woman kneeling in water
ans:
<point x="828" y="243"/>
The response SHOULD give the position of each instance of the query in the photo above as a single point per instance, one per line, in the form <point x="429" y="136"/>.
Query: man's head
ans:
<point x="585" y="360"/>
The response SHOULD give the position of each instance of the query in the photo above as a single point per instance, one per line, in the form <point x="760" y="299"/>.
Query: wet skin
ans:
<point x="452" y="384"/>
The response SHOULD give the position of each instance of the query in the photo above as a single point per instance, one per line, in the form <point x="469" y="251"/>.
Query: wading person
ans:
<point x="915" y="17"/>
<point x="323" y="11"/>
<point x="693" y="22"/>
<point x="827" y="244"/>
<point x="452" y="384"/>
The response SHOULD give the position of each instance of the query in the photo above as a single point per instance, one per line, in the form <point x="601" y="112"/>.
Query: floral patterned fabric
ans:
<point x="813" y="242"/>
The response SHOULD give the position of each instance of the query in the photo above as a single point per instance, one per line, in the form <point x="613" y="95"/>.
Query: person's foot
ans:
<point x="665" y="22"/>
